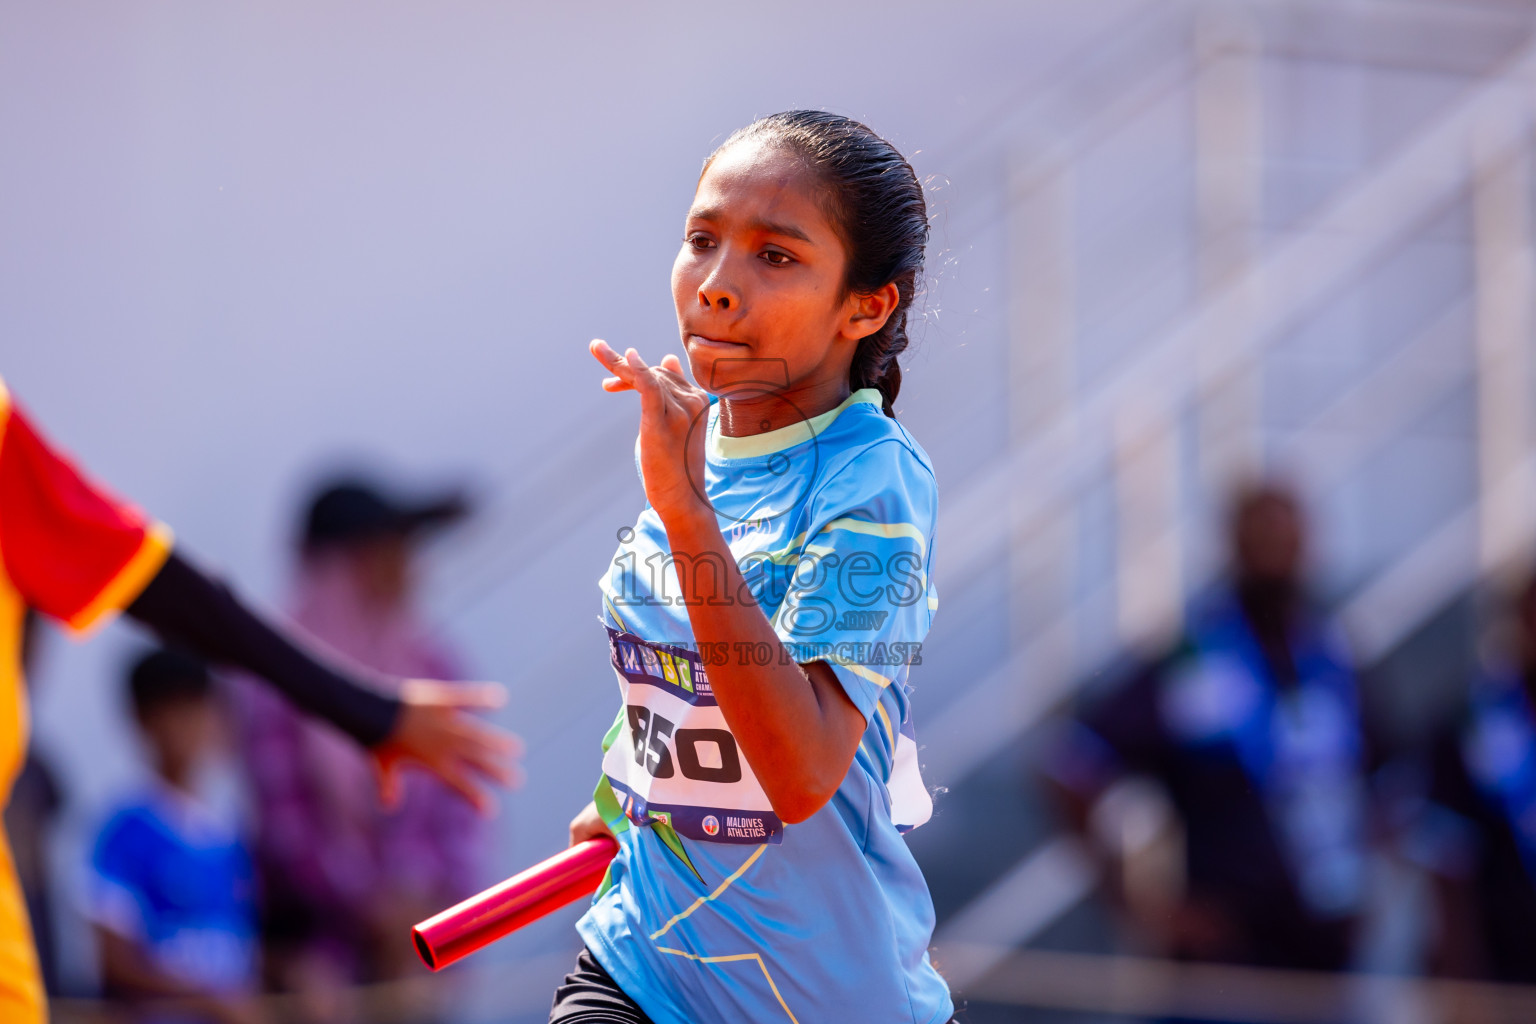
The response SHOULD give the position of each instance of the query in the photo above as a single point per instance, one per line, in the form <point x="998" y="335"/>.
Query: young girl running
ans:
<point x="763" y="612"/>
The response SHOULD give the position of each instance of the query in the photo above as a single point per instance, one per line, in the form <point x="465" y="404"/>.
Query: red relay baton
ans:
<point x="507" y="906"/>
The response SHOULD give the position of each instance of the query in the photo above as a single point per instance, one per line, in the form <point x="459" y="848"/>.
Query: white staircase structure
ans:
<point x="1376" y="348"/>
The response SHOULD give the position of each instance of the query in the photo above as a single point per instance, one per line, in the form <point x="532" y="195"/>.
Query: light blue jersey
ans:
<point x="715" y="909"/>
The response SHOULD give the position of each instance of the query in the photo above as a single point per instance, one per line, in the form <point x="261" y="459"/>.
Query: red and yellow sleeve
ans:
<point x="69" y="547"/>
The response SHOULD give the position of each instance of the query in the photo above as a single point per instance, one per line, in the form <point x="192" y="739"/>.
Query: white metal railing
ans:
<point x="1482" y="142"/>
<point x="1218" y="340"/>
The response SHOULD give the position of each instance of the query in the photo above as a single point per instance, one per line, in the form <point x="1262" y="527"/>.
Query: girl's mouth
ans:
<point x="716" y="343"/>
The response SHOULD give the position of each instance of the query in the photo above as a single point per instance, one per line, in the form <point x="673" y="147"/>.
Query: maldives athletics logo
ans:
<point x="711" y="825"/>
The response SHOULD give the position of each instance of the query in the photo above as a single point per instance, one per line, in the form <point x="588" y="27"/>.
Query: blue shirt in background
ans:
<point x="170" y="876"/>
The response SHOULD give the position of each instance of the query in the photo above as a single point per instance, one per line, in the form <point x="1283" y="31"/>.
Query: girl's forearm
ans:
<point x="796" y="726"/>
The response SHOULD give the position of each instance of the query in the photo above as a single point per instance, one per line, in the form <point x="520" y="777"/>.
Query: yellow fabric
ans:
<point x="21" y="984"/>
<point x="13" y="694"/>
<point x="22" y="1000"/>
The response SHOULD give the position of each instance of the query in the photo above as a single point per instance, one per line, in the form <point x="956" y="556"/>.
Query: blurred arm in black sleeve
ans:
<point x="188" y="608"/>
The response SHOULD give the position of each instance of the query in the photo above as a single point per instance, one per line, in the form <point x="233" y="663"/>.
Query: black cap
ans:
<point x="348" y="511"/>
<point x="166" y="675"/>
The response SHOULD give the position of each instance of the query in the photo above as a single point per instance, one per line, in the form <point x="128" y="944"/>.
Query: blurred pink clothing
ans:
<point x="323" y="834"/>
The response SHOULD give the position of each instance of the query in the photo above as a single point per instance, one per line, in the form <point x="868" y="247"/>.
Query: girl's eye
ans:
<point x="774" y="258"/>
<point x="698" y="241"/>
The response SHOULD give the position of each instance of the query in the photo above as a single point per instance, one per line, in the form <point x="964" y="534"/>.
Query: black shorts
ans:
<point x="588" y="995"/>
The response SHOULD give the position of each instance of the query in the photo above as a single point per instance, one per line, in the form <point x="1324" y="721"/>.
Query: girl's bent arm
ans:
<point x="795" y="723"/>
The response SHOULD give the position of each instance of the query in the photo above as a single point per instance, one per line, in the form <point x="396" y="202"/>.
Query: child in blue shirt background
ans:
<point x="171" y="883"/>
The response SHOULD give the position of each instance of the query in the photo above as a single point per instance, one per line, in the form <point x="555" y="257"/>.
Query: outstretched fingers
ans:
<point x="461" y="780"/>
<point x="472" y="696"/>
<point x="653" y="401"/>
<point x="614" y="364"/>
<point x="629" y="368"/>
<point x="490" y="751"/>
<point x="436" y="729"/>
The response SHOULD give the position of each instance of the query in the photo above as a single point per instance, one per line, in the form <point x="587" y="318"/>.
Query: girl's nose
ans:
<point x="716" y="292"/>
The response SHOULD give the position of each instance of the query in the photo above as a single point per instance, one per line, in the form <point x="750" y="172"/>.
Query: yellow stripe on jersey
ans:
<point x="790" y="552"/>
<point x="732" y="959"/>
<point x="862" y="671"/>
<point x="890" y="531"/>
<point x="886" y="530"/>
<point x="757" y="445"/>
<point x="705" y="899"/>
<point x="615" y="613"/>
<point x="130" y="580"/>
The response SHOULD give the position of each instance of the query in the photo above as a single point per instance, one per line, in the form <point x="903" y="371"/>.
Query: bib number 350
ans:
<point x="702" y="755"/>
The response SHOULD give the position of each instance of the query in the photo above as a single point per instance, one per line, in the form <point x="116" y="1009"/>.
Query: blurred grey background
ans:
<point x="1173" y="244"/>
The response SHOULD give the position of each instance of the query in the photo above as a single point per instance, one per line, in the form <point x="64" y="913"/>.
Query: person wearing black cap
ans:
<point x="343" y="877"/>
<point x="77" y="553"/>
<point x="352" y="511"/>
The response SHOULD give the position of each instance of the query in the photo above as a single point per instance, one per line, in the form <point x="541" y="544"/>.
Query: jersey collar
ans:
<point x="718" y="446"/>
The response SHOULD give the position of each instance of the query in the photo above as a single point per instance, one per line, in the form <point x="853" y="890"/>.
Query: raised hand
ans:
<point x="673" y="413"/>
<point x="436" y="731"/>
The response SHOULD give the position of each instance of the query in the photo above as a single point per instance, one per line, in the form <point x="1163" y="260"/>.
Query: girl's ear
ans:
<point x="868" y="312"/>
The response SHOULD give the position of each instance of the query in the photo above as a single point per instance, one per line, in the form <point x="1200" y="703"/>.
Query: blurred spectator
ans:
<point x="1478" y="830"/>
<point x="171" y="887"/>
<point x="78" y="554"/>
<point x="1252" y="726"/>
<point x="344" y="878"/>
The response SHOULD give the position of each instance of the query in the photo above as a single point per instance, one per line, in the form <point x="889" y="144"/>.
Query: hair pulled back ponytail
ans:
<point x="876" y="202"/>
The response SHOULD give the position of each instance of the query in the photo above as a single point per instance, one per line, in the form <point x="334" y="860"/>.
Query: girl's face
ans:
<point x="759" y="280"/>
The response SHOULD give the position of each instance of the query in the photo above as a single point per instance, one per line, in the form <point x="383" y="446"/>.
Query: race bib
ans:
<point x="674" y="759"/>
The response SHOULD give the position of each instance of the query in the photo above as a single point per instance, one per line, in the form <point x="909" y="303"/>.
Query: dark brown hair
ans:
<point x="876" y="202"/>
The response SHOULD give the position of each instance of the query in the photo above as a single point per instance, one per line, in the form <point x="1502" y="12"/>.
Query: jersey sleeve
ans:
<point x="71" y="548"/>
<point x="861" y="598"/>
